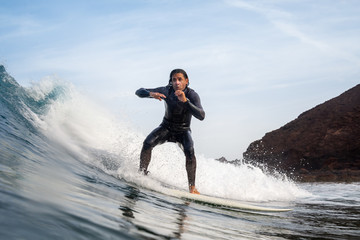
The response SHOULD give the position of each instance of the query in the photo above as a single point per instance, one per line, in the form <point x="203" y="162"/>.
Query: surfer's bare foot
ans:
<point x="193" y="190"/>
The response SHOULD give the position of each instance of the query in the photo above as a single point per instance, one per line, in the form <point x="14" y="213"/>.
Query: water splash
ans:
<point x="102" y="140"/>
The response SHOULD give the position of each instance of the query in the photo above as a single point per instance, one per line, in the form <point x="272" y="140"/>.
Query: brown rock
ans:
<point x="322" y="144"/>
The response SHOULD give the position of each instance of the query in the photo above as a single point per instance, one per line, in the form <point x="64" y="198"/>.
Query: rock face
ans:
<point x="322" y="144"/>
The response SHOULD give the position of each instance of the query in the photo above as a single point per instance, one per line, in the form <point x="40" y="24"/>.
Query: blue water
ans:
<point x="68" y="170"/>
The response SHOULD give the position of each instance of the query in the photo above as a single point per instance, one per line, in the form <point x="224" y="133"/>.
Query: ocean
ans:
<point x="68" y="170"/>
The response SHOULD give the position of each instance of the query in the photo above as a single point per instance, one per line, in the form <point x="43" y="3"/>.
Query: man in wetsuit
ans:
<point x="181" y="103"/>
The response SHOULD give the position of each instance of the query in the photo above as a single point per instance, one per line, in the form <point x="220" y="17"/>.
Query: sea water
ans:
<point x="68" y="170"/>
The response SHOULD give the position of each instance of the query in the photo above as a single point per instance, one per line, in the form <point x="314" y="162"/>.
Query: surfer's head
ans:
<point x="178" y="70"/>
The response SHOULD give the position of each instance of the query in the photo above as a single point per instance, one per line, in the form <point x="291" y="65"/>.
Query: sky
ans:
<point x="256" y="65"/>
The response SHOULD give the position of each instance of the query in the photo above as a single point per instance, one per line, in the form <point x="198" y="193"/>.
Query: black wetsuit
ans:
<point x="175" y="126"/>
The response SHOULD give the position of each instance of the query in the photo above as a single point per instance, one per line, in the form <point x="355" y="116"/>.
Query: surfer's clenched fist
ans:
<point x="181" y="95"/>
<point x="158" y="96"/>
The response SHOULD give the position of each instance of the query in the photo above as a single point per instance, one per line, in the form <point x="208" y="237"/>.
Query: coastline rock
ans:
<point x="322" y="144"/>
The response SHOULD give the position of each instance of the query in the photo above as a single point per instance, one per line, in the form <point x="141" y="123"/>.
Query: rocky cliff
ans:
<point x="322" y="144"/>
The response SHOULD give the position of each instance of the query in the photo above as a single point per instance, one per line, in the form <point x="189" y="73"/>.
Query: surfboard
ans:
<point x="222" y="201"/>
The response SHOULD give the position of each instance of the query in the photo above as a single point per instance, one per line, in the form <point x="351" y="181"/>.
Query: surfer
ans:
<point x="181" y="103"/>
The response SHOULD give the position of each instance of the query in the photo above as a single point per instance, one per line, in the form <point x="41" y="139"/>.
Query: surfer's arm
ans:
<point x="156" y="93"/>
<point x="194" y="105"/>
<point x="142" y="92"/>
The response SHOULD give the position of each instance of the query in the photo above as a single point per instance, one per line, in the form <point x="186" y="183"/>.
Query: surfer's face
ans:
<point x="179" y="82"/>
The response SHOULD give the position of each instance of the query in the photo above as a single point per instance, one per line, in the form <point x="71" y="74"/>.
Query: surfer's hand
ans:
<point x="181" y="95"/>
<point x="158" y="96"/>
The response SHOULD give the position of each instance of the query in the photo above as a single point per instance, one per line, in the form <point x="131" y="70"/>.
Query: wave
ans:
<point x="58" y="123"/>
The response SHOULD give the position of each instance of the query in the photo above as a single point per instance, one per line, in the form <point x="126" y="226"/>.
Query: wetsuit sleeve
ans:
<point x="145" y="92"/>
<point x="142" y="92"/>
<point x="194" y="105"/>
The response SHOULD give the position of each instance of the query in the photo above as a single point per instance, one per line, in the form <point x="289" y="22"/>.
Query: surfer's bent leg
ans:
<point x="188" y="145"/>
<point x="157" y="136"/>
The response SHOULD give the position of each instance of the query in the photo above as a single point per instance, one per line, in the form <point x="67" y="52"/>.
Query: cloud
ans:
<point x="293" y="31"/>
<point x="281" y="19"/>
<point x="266" y="8"/>
<point x="309" y="24"/>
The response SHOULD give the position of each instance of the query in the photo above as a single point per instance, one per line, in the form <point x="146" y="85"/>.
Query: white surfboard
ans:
<point x="221" y="201"/>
